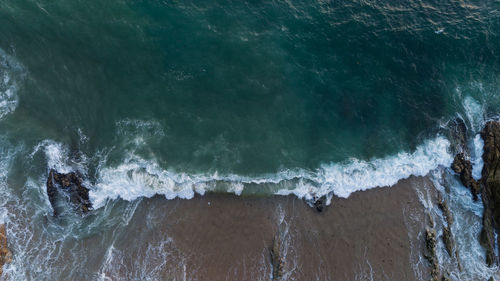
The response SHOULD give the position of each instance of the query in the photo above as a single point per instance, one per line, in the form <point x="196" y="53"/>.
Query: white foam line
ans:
<point x="477" y="161"/>
<point x="357" y="175"/>
<point x="137" y="177"/>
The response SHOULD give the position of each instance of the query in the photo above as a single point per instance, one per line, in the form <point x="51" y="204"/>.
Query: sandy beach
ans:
<point x="372" y="235"/>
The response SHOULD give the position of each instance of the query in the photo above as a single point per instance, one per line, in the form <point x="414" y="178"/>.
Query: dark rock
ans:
<point x="277" y="259"/>
<point x="431" y="220"/>
<point x="52" y="191"/>
<point x="463" y="167"/>
<point x="5" y="254"/>
<point x="446" y="277"/>
<point x="458" y="135"/>
<point x="487" y="238"/>
<point x="448" y="240"/>
<point x="435" y="271"/>
<point x="447" y="236"/>
<point x="71" y="184"/>
<point x="319" y="204"/>
<point x="491" y="189"/>
<point x="430" y="241"/>
<point x="446" y="211"/>
<point x="430" y="254"/>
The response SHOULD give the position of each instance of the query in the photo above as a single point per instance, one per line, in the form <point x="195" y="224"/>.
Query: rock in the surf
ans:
<point x="463" y="167"/>
<point x="491" y="189"/>
<point x="277" y="259"/>
<point x="430" y="252"/>
<point x="319" y="204"/>
<point x="5" y="254"/>
<point x="430" y="241"/>
<point x="446" y="277"/>
<point x="71" y="184"/>
<point x="443" y="206"/>
<point x="448" y="239"/>
<point x="457" y="132"/>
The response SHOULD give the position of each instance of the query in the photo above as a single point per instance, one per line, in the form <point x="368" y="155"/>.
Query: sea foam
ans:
<point x="474" y="113"/>
<point x="477" y="161"/>
<point x="465" y="227"/>
<point x="475" y="117"/>
<point x="11" y="74"/>
<point x="357" y="175"/>
<point x="137" y="177"/>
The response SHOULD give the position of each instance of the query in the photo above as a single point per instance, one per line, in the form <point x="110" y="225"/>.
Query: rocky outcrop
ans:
<point x="463" y="167"/>
<point x="430" y="252"/>
<point x="446" y="277"/>
<point x="5" y="254"/>
<point x="457" y="134"/>
<point x="319" y="204"/>
<point x="71" y="184"/>
<point x="491" y="189"/>
<point x="277" y="258"/>
<point x="461" y="164"/>
<point x="448" y="239"/>
<point x="447" y="236"/>
<point x="443" y="206"/>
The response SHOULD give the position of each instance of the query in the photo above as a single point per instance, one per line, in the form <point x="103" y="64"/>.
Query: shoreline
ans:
<point x="404" y="231"/>
<point x="377" y="233"/>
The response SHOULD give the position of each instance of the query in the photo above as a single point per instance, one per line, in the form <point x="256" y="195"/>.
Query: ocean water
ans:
<point x="177" y="98"/>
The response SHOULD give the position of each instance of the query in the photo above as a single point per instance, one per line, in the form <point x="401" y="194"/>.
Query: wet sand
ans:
<point x="372" y="235"/>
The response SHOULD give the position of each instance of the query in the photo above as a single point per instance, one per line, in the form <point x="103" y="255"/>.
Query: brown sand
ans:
<point x="372" y="235"/>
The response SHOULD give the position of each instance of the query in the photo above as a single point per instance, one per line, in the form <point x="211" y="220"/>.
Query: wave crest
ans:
<point x="136" y="177"/>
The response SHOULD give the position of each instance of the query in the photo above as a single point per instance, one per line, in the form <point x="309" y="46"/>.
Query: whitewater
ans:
<point x="136" y="177"/>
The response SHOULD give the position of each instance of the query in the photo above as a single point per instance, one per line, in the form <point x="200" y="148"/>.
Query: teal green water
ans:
<point x="246" y="87"/>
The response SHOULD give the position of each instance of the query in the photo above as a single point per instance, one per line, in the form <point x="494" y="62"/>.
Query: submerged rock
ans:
<point x="277" y="259"/>
<point x="430" y="242"/>
<point x="491" y="189"/>
<point x="446" y="277"/>
<point x="457" y="132"/>
<point x="72" y="184"/>
<point x="446" y="211"/>
<point x="463" y="167"/>
<point x="5" y="254"/>
<point x="447" y="236"/>
<point x="448" y="240"/>
<point x="319" y="204"/>
<point x="430" y="254"/>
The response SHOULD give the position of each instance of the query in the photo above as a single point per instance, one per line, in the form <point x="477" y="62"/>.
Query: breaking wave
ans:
<point x="137" y="177"/>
